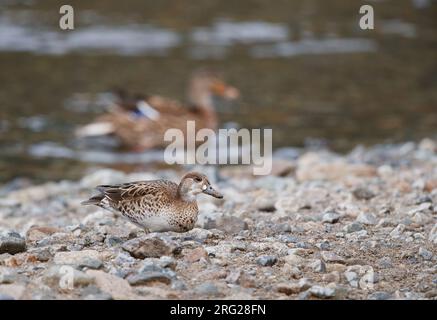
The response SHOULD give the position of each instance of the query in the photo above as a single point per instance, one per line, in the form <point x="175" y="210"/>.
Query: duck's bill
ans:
<point x="212" y="192"/>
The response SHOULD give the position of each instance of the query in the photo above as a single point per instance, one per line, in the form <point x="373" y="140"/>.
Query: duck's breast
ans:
<point x="156" y="223"/>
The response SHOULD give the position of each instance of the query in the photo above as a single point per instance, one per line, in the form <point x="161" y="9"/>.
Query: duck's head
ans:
<point x="206" y="84"/>
<point x="194" y="183"/>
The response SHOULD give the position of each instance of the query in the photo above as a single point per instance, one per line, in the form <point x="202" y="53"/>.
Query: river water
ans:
<point x="304" y="69"/>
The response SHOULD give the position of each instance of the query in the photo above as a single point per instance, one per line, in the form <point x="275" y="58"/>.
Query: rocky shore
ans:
<point x="322" y="226"/>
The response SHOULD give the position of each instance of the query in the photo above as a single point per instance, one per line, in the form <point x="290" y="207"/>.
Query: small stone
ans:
<point x="331" y="217"/>
<point x="420" y="208"/>
<point x="200" y="235"/>
<point x="396" y="232"/>
<point x="367" y="218"/>
<point x="293" y="260"/>
<point x="141" y="248"/>
<point x="318" y="266"/>
<point x="363" y="194"/>
<point x="333" y="276"/>
<point x="424" y="199"/>
<point x="288" y="239"/>
<point x="294" y="287"/>
<point x="178" y="285"/>
<point x="322" y="292"/>
<point x="11" y="242"/>
<point x="167" y="262"/>
<point x="425" y="254"/>
<point x="331" y="257"/>
<point x="352" y="278"/>
<point x="267" y="260"/>
<point x="7" y="275"/>
<point x="93" y="293"/>
<point x="353" y="227"/>
<point x="114" y="286"/>
<point x="431" y="294"/>
<point x="385" y="262"/>
<point x="85" y="258"/>
<point x="36" y="233"/>
<point x="207" y="288"/>
<point x="16" y="291"/>
<point x="433" y="235"/>
<point x="146" y="278"/>
<point x="233" y="277"/>
<point x="42" y="254"/>
<point x="112" y="241"/>
<point x="324" y="245"/>
<point x="194" y="255"/>
<point x="380" y="295"/>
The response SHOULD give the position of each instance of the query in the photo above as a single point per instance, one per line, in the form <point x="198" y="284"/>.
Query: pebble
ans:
<point x="367" y="218"/>
<point x="141" y="248"/>
<point x="331" y="217"/>
<point x="363" y="194"/>
<point x="267" y="260"/>
<point x="85" y="258"/>
<point x="433" y="235"/>
<point x="293" y="260"/>
<point x="379" y="295"/>
<point x="397" y="232"/>
<point x="294" y="287"/>
<point x="113" y="286"/>
<point x="145" y="278"/>
<point x="425" y="254"/>
<point x="15" y="291"/>
<point x="167" y="262"/>
<point x="11" y="242"/>
<point x="7" y="275"/>
<point x="194" y="255"/>
<point x="322" y="292"/>
<point x="385" y="263"/>
<point x="331" y="257"/>
<point x="208" y="289"/>
<point x="318" y="266"/>
<point x="352" y="278"/>
<point x="353" y="227"/>
<point x="328" y="237"/>
<point x="36" y="233"/>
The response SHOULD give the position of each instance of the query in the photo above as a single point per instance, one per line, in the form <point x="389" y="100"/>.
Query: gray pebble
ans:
<point x="267" y="260"/>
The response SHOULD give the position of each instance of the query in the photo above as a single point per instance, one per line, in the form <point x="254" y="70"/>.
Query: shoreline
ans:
<point x="362" y="225"/>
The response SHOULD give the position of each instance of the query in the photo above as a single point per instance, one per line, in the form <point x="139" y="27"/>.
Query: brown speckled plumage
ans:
<point x="156" y="205"/>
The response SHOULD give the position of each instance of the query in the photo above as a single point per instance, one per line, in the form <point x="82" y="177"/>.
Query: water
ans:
<point x="304" y="68"/>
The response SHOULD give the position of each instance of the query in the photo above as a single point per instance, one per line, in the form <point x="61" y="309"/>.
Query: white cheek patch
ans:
<point x="204" y="187"/>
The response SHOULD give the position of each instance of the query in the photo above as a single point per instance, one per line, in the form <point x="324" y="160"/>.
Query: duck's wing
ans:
<point x="166" y="105"/>
<point x="133" y="191"/>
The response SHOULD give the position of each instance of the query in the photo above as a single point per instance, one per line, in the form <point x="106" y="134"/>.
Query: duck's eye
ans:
<point x="197" y="179"/>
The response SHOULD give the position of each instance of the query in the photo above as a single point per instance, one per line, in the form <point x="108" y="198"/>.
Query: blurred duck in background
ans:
<point x="139" y="122"/>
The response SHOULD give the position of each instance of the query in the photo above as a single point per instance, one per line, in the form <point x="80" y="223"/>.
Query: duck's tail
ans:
<point x="95" y="129"/>
<point x="96" y="200"/>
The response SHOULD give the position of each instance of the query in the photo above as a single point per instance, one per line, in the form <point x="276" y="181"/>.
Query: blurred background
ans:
<point x="303" y="67"/>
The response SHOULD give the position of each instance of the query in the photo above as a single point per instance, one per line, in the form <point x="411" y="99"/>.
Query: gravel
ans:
<point x="355" y="226"/>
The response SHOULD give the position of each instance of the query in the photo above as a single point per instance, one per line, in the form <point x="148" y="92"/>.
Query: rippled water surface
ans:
<point x="304" y="68"/>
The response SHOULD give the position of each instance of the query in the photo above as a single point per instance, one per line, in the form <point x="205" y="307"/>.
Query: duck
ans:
<point x="140" y="122"/>
<point x="156" y="205"/>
